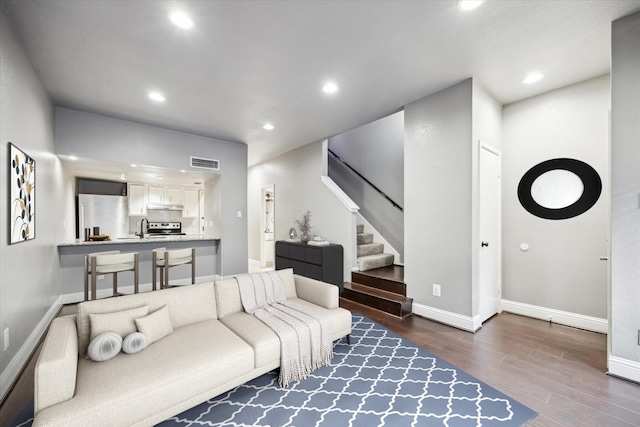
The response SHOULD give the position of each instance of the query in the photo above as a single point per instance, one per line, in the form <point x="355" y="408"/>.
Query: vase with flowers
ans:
<point x="305" y="227"/>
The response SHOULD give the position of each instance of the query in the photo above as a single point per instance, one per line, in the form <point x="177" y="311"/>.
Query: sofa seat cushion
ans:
<point x="266" y="343"/>
<point x="131" y="387"/>
<point x="340" y="318"/>
<point x="260" y="337"/>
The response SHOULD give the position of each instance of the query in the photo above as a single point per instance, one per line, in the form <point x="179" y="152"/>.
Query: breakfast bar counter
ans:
<point x="72" y="253"/>
<point x="136" y="239"/>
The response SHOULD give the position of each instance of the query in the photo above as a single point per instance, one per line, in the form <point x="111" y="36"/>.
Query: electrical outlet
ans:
<point x="6" y="339"/>
<point x="436" y="290"/>
<point x="100" y="276"/>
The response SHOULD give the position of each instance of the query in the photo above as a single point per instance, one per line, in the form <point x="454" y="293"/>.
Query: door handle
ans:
<point x="484" y="244"/>
<point x="604" y="258"/>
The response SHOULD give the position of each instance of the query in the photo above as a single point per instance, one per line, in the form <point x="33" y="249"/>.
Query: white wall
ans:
<point x="375" y="150"/>
<point x="442" y="133"/>
<point x="438" y="202"/>
<point x="29" y="271"/>
<point x="101" y="137"/>
<point x="296" y="177"/>
<point x="487" y="127"/>
<point x="625" y="203"/>
<point x="561" y="270"/>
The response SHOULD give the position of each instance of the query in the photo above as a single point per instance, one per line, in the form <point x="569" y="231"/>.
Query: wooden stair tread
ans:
<point x="390" y="279"/>
<point x="379" y="293"/>
<point x="394" y="273"/>
<point x="402" y="315"/>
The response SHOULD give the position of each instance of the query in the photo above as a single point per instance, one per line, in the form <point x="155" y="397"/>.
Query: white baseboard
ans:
<point x="10" y="374"/>
<point x="581" y="321"/>
<point x="466" y="323"/>
<point x="142" y="287"/>
<point x="624" y="368"/>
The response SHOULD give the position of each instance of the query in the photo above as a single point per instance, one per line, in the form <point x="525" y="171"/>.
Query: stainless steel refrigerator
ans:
<point x="110" y="213"/>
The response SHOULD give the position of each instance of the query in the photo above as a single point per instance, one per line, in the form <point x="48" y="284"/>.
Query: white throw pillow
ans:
<point x="134" y="343"/>
<point x="120" y="322"/>
<point x="155" y="326"/>
<point x="105" y="346"/>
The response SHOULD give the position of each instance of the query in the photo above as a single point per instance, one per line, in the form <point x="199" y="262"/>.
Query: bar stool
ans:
<point x="163" y="259"/>
<point x="87" y="271"/>
<point x="114" y="264"/>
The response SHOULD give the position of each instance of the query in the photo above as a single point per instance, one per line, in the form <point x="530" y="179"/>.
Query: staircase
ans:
<point x="379" y="283"/>
<point x="370" y="255"/>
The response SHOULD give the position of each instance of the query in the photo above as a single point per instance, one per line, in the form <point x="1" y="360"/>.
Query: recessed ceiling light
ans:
<point x="181" y="19"/>
<point x="156" y="96"/>
<point x="268" y="126"/>
<point x="532" y="78"/>
<point x="73" y="158"/>
<point x="466" y="5"/>
<point x="330" y="87"/>
<point x="183" y="171"/>
<point x="133" y="165"/>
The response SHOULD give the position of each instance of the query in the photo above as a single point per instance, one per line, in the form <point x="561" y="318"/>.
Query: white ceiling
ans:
<point x="137" y="174"/>
<point x="247" y="63"/>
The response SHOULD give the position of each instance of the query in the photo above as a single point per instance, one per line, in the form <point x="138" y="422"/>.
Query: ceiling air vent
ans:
<point x="200" y="163"/>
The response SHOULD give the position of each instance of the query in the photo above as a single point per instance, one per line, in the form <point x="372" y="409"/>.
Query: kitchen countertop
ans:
<point x="136" y="239"/>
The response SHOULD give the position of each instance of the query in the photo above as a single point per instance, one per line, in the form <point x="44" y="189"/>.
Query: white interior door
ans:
<point x="490" y="232"/>
<point x="267" y="225"/>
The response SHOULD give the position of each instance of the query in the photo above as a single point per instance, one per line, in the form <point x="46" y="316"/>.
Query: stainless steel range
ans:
<point x="157" y="229"/>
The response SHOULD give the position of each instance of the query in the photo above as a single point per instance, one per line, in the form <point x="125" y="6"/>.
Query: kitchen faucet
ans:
<point x="142" y="227"/>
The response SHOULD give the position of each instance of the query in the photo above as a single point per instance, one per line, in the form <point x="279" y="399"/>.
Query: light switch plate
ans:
<point x="6" y="339"/>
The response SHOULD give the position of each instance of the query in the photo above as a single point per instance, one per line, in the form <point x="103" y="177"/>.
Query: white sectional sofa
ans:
<point x="214" y="347"/>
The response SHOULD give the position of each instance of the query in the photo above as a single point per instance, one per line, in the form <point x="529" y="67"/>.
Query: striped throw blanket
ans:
<point x="304" y="331"/>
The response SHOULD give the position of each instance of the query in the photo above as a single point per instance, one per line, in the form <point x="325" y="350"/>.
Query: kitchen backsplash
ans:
<point x="189" y="225"/>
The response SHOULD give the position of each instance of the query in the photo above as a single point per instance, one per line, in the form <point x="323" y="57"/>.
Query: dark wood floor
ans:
<point x="556" y="370"/>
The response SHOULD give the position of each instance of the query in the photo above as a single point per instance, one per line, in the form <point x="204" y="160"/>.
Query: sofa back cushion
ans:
<point x="187" y="304"/>
<point x="228" y="292"/>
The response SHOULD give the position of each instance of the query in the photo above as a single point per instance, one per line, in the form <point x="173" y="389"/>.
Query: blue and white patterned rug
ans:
<point x="381" y="379"/>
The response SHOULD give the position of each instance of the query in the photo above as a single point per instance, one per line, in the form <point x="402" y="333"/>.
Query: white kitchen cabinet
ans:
<point x="191" y="203"/>
<point x="173" y="196"/>
<point x="138" y="199"/>
<point x="156" y="194"/>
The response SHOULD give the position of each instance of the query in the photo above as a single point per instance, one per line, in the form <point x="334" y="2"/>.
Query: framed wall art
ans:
<point x="22" y="193"/>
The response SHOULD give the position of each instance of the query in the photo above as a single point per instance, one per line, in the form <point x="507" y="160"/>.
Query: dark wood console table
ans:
<point x="317" y="262"/>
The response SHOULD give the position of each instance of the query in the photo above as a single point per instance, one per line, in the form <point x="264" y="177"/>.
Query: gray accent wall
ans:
<point x="438" y="189"/>
<point x="100" y="137"/>
<point x="296" y="176"/>
<point x="29" y="271"/>
<point x="376" y="151"/>
<point x="561" y="269"/>
<point x="625" y="190"/>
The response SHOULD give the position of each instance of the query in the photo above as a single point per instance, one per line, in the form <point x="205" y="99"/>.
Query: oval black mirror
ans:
<point x="569" y="192"/>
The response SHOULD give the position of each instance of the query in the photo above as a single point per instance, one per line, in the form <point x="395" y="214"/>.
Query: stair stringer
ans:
<point x="352" y="248"/>
<point x="377" y="237"/>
